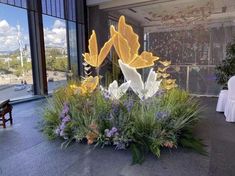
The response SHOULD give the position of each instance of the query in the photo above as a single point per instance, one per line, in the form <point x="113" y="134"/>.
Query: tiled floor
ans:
<point x="24" y="151"/>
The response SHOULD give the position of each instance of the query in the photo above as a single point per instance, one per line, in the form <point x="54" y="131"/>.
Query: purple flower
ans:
<point x="107" y="133"/>
<point x="160" y="92"/>
<point x="65" y="109"/>
<point x="66" y="119"/>
<point x="57" y="131"/>
<point x="129" y="105"/>
<point x="106" y="94"/>
<point x="114" y="130"/>
<point x="111" y="133"/>
<point x="115" y="107"/>
<point x="62" y="126"/>
<point x="120" y="145"/>
<point x="161" y="115"/>
<point x="62" y="133"/>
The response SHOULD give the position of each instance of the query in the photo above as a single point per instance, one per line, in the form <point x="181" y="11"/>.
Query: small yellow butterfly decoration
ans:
<point x="93" y="58"/>
<point x="126" y="44"/>
<point x="87" y="86"/>
<point x="165" y="63"/>
<point x="167" y="84"/>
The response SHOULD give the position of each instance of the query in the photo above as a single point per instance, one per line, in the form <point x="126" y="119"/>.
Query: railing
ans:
<point x="196" y="79"/>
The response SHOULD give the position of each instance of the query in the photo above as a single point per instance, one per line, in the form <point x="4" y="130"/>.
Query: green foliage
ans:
<point x="163" y="121"/>
<point x="187" y="140"/>
<point x="226" y="69"/>
<point x="56" y="64"/>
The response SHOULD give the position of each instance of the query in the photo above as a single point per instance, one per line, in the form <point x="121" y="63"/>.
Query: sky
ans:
<point x="10" y="17"/>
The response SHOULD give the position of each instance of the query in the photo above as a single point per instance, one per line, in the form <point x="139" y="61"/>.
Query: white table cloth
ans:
<point x="222" y="101"/>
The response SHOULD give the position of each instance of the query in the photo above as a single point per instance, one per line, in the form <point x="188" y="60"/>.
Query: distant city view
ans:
<point x="16" y="80"/>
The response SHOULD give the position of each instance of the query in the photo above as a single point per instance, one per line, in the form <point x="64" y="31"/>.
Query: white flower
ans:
<point x="115" y="92"/>
<point x="143" y="90"/>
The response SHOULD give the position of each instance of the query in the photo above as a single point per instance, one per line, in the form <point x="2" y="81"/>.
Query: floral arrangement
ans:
<point x="144" y="116"/>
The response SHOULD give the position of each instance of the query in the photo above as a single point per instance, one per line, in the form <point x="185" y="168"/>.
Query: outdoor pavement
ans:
<point x="25" y="151"/>
<point x="8" y="92"/>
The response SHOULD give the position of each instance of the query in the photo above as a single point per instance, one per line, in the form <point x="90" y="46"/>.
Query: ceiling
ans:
<point x="158" y="14"/>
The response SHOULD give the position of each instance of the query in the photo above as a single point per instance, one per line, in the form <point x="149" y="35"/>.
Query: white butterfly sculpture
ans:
<point x="115" y="92"/>
<point x="143" y="90"/>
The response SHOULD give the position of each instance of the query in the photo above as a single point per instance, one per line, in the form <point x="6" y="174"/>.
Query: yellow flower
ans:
<point x="73" y="86"/>
<point x="126" y="44"/>
<point x="93" y="58"/>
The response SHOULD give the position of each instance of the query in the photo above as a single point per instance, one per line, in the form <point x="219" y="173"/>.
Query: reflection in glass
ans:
<point x="71" y="26"/>
<point x="15" y="59"/>
<point x="56" y="52"/>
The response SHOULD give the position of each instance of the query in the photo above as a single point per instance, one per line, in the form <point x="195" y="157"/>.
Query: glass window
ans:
<point x="73" y="52"/>
<point x="56" y="52"/>
<point x="15" y="58"/>
<point x="44" y="6"/>
<point x="49" y="7"/>
<point x="53" y="6"/>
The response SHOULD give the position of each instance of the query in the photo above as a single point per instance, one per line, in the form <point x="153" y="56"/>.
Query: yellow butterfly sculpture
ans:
<point x="93" y="58"/>
<point x="162" y="70"/>
<point x="87" y="86"/>
<point x="165" y="75"/>
<point x="126" y="44"/>
<point x="165" y="63"/>
<point x="90" y="83"/>
<point x="169" y="84"/>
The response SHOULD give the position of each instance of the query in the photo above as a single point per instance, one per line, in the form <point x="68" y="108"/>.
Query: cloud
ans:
<point x="8" y="35"/>
<point x="54" y="36"/>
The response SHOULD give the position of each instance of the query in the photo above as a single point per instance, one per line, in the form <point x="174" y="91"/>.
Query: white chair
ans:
<point x="222" y="100"/>
<point x="230" y="103"/>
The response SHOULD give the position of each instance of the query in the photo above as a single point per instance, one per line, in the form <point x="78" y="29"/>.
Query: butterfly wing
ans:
<point x="90" y="83"/>
<point x="113" y="89"/>
<point x="122" y="89"/>
<point x="92" y="57"/>
<point x="146" y="59"/>
<point x="128" y="33"/>
<point x="132" y="75"/>
<point x="104" y="51"/>
<point x="151" y="84"/>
